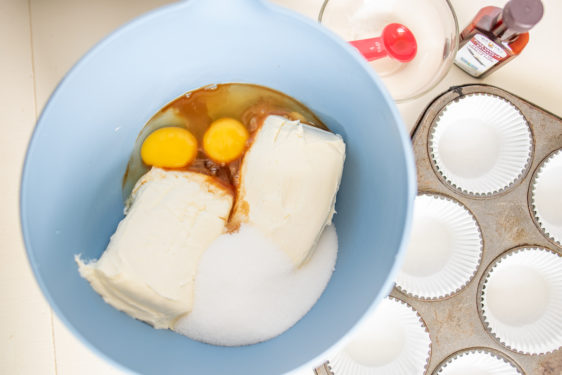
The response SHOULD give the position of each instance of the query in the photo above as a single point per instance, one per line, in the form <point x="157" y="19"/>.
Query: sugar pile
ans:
<point x="247" y="290"/>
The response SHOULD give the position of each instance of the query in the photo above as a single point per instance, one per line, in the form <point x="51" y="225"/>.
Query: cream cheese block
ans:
<point x="149" y="267"/>
<point x="289" y="179"/>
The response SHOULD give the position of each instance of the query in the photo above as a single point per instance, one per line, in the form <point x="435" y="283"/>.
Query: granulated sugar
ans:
<point x="247" y="289"/>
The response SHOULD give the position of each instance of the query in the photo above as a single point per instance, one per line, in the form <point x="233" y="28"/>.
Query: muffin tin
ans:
<point x="460" y="323"/>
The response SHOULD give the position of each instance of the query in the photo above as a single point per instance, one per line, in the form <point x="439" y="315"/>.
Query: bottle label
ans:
<point x="478" y="55"/>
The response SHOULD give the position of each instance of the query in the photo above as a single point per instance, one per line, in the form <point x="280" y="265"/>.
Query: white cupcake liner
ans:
<point x="521" y="300"/>
<point x="546" y="197"/>
<point x="445" y="249"/>
<point x="479" y="361"/>
<point x="394" y="340"/>
<point x="480" y="144"/>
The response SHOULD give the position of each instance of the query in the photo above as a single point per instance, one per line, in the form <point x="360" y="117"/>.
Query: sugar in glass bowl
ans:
<point x="433" y="23"/>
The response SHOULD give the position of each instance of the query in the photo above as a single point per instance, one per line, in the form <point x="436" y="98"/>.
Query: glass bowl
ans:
<point x="433" y="23"/>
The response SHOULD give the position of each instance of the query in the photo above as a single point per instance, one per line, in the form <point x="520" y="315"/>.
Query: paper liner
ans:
<point x="445" y="249"/>
<point x="393" y="340"/>
<point x="521" y="300"/>
<point x="546" y="197"/>
<point x="479" y="361"/>
<point x="480" y="144"/>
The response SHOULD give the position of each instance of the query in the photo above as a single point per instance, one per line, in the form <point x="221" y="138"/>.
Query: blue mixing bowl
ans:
<point x="71" y="185"/>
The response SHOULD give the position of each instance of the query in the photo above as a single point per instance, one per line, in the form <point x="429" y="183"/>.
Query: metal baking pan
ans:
<point x="506" y="222"/>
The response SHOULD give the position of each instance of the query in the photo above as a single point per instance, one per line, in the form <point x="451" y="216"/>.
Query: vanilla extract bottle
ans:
<point x="496" y="36"/>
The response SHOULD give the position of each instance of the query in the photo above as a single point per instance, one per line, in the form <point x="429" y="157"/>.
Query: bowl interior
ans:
<point x="71" y="186"/>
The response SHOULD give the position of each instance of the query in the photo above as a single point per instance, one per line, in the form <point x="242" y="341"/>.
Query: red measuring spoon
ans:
<point x="396" y="41"/>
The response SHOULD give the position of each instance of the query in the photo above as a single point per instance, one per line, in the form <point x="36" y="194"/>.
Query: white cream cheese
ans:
<point x="149" y="267"/>
<point x="288" y="183"/>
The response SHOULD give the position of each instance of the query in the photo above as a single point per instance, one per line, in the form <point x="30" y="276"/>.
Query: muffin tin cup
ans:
<point x="481" y="361"/>
<point x="521" y="300"/>
<point x="392" y="341"/>
<point x="545" y="197"/>
<point x="480" y="144"/>
<point x="444" y="251"/>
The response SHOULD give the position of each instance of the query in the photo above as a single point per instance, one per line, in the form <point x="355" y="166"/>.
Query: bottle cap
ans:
<point x="521" y="15"/>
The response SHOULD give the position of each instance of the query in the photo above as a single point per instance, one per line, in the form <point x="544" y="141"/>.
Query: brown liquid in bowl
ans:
<point x="197" y="109"/>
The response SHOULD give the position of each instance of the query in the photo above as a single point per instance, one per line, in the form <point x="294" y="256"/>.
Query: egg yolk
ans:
<point x="225" y="140"/>
<point x="169" y="147"/>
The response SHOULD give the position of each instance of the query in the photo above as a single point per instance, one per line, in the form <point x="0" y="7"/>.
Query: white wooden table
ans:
<point x="41" y="39"/>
